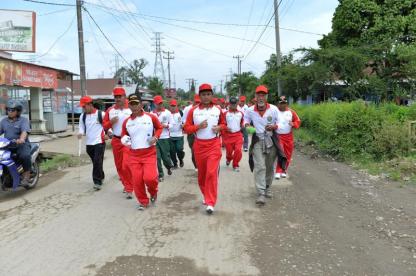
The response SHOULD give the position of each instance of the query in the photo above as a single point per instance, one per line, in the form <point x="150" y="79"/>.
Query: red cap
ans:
<point x="214" y="100"/>
<point x="158" y="99"/>
<point x="119" y="91"/>
<point x="242" y="98"/>
<point x="197" y="99"/>
<point x="173" y="102"/>
<point x="205" y="87"/>
<point x="222" y="100"/>
<point x="85" y="100"/>
<point x="262" y="89"/>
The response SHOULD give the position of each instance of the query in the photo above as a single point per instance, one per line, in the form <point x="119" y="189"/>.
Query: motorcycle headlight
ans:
<point x="4" y="155"/>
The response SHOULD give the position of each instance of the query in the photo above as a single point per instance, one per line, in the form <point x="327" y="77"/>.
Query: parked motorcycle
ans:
<point x="11" y="170"/>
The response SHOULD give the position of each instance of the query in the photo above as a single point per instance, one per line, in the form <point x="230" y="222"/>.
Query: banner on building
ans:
<point x="17" y="31"/>
<point x="27" y="75"/>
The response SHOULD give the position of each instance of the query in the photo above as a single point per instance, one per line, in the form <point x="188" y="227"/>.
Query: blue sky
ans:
<point x="205" y="57"/>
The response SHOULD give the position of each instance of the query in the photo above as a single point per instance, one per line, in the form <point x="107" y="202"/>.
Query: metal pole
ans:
<point x="72" y="100"/>
<point x="81" y="49"/>
<point x="278" y="52"/>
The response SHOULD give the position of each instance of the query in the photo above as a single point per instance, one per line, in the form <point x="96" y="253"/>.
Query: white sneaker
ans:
<point x="236" y="169"/>
<point x="277" y="176"/>
<point x="209" y="210"/>
<point x="196" y="170"/>
<point x="284" y="175"/>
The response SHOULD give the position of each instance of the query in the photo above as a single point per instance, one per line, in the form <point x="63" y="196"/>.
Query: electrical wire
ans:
<point x="246" y="29"/>
<point x="49" y="3"/>
<point x="57" y="11"/>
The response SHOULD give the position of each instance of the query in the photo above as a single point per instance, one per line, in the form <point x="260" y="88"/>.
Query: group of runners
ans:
<point x="144" y="142"/>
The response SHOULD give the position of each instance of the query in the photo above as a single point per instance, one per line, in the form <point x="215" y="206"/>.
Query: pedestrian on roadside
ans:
<point x="206" y="120"/>
<point x="191" y="137"/>
<point x="113" y="119"/>
<point x="232" y="136"/>
<point x="243" y="108"/>
<point x="263" y="150"/>
<point x="176" y="135"/>
<point x="163" y="144"/>
<point x="91" y="126"/>
<point x="140" y="133"/>
<point x="287" y="120"/>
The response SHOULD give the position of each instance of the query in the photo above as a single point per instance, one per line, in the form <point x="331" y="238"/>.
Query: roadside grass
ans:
<point x="59" y="162"/>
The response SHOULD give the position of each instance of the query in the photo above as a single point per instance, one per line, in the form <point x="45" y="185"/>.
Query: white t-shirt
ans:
<point x="92" y="129"/>
<point x="212" y="115"/>
<point x="185" y="112"/>
<point x="234" y="120"/>
<point x="176" y="127"/>
<point x="140" y="130"/>
<point x="122" y="115"/>
<point x="270" y="117"/>
<point x="165" y="118"/>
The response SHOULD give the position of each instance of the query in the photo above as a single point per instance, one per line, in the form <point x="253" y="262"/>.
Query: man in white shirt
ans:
<point x="264" y="117"/>
<point x="176" y="136"/>
<point x="242" y="106"/>
<point x="191" y="137"/>
<point x="163" y="144"/>
<point x="113" y="119"/>
<point x="90" y="125"/>
<point x="232" y="136"/>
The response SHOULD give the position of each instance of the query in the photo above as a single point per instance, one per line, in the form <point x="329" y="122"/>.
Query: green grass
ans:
<point x="58" y="162"/>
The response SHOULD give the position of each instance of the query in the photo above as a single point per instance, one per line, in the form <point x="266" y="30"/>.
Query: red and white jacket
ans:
<point x="234" y="120"/>
<point x="92" y="129"/>
<point x="121" y="113"/>
<point x="140" y="129"/>
<point x="283" y="121"/>
<point x="165" y="118"/>
<point x="261" y="119"/>
<point x="198" y="114"/>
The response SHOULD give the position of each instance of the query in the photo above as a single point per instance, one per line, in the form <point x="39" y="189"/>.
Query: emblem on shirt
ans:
<point x="269" y="119"/>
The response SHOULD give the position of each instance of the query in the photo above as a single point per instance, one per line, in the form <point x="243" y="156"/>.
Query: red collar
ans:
<point x="262" y="112"/>
<point x="200" y="106"/>
<point x="176" y="111"/>
<point x="158" y="112"/>
<point x="126" y="105"/>
<point x="134" y="116"/>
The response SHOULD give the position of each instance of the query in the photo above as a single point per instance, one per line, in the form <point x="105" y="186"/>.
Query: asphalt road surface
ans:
<point x="326" y="219"/>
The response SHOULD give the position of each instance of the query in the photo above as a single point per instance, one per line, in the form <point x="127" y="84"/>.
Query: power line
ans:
<point x="57" y="11"/>
<point x="50" y="3"/>
<point x="135" y="19"/>
<point x="264" y="30"/>
<point x="248" y="22"/>
<point x="105" y="36"/>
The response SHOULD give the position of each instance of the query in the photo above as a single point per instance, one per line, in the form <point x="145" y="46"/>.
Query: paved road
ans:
<point x="326" y="219"/>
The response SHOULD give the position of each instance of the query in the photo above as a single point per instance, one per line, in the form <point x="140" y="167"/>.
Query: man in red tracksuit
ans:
<point x="113" y="119"/>
<point x="206" y="120"/>
<point x="287" y="120"/>
<point x="140" y="133"/>
<point x="232" y="136"/>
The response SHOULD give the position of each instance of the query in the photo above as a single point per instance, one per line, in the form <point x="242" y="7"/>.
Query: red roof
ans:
<point x="93" y="86"/>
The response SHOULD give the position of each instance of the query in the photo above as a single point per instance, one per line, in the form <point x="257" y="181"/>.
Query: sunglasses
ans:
<point x="10" y="109"/>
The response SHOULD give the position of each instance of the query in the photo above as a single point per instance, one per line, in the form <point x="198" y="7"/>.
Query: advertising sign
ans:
<point x="17" y="31"/>
<point x="26" y="75"/>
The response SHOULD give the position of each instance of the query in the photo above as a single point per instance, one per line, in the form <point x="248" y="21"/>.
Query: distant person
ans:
<point x="176" y="135"/>
<point x="287" y="120"/>
<point x="113" y="119"/>
<point x="233" y="138"/>
<point x="163" y="144"/>
<point x="90" y="125"/>
<point x="140" y="133"/>
<point x="243" y="108"/>
<point x="206" y="120"/>
<point x="17" y="128"/>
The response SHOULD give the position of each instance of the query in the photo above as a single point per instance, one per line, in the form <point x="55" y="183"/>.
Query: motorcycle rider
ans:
<point x="17" y="128"/>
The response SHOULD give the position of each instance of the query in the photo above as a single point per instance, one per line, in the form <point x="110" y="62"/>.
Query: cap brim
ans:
<point x="134" y="101"/>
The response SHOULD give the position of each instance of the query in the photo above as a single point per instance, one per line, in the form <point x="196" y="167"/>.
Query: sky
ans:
<point x="201" y="51"/>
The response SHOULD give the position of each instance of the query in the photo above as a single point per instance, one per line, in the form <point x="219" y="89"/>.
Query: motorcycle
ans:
<point x="11" y="170"/>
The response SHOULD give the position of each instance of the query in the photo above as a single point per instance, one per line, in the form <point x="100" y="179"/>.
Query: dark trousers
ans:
<point x="176" y="149"/>
<point x="245" y="135"/>
<point x="191" y="138"/>
<point x="96" y="153"/>
<point x="23" y="155"/>
<point x="163" y="155"/>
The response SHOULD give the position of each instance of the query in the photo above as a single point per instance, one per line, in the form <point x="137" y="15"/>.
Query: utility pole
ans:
<point x="189" y="81"/>
<point x="169" y="57"/>
<point x="238" y="57"/>
<point x="159" y="70"/>
<point x="81" y="49"/>
<point x="278" y="52"/>
<point x="221" y="85"/>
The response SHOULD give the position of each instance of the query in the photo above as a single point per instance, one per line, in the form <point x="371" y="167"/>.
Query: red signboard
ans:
<point x="21" y="74"/>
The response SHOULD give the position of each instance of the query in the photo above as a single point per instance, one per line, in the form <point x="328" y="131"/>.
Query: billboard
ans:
<point x="17" y="31"/>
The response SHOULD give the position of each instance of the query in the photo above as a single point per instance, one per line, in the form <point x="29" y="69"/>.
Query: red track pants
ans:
<point x="233" y="146"/>
<point x="144" y="174"/>
<point x="121" y="157"/>
<point x="287" y="143"/>
<point x="207" y="156"/>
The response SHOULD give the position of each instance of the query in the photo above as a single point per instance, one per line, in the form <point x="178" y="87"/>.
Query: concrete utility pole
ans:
<point x="81" y="49"/>
<point x="169" y="57"/>
<point x="278" y="52"/>
<point x="221" y="85"/>
<point x="238" y="57"/>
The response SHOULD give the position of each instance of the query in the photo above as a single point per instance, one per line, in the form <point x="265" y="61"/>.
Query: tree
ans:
<point x="133" y="73"/>
<point x="155" y="85"/>
<point x="248" y="82"/>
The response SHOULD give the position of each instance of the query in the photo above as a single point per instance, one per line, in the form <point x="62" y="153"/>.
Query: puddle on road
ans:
<point x="144" y="265"/>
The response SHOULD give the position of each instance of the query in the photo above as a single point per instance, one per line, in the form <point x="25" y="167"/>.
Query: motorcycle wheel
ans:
<point x="34" y="176"/>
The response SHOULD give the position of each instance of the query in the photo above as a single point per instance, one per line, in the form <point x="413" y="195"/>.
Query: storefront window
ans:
<point x="55" y="102"/>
